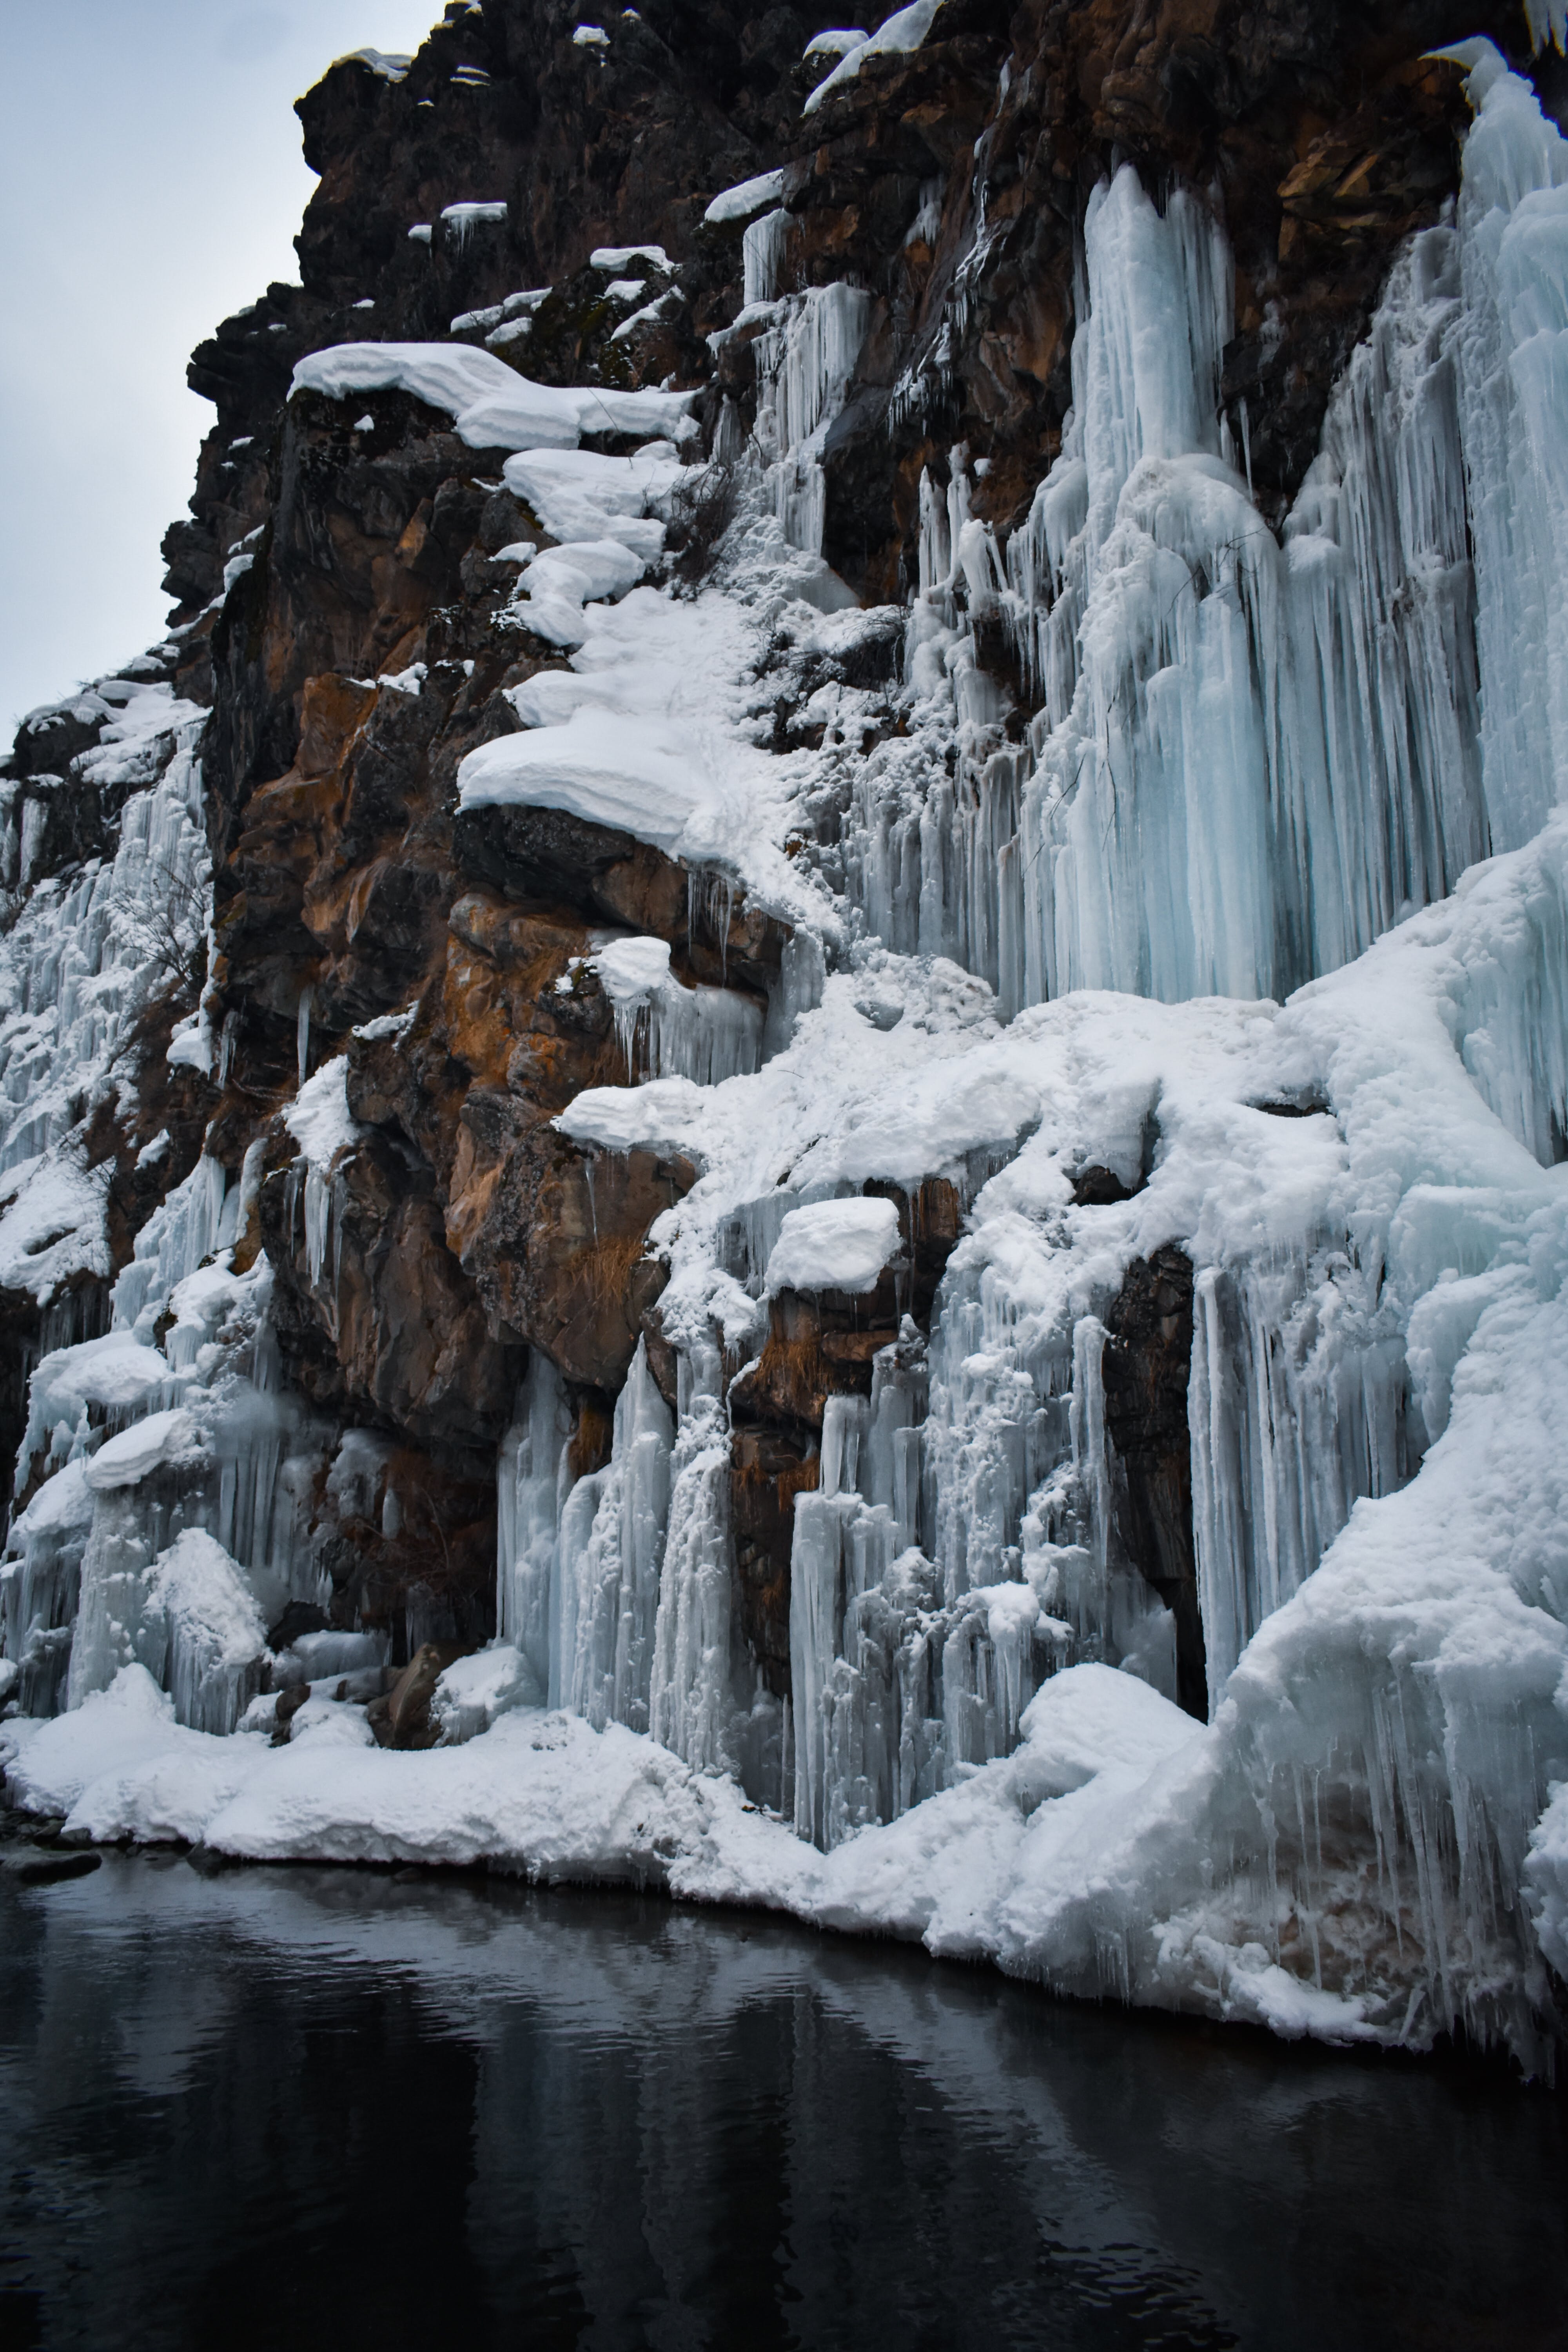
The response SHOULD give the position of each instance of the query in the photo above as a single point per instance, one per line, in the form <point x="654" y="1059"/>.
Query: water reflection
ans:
<point x="333" y="2107"/>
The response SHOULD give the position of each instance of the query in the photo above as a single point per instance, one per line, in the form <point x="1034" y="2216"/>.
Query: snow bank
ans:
<point x="544" y="1795"/>
<point x="131" y="1722"/>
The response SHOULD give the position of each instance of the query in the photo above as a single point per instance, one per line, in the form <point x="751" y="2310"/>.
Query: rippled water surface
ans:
<point x="311" y="2107"/>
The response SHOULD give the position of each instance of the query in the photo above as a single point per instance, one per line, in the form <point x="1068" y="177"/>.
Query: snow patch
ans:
<point x="833" y="1245"/>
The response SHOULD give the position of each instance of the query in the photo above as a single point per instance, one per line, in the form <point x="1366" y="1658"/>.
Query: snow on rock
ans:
<point x="833" y="1245"/>
<point x="559" y="583"/>
<point x="137" y="1452"/>
<point x="51" y="1225"/>
<point x="61" y="1504"/>
<point x="895" y="37"/>
<point x="385" y="64"/>
<point x="667" y="1115"/>
<point x="466" y="216"/>
<point x="490" y="405"/>
<point x="319" y="1117"/>
<point x="748" y="197"/>
<point x="647" y="732"/>
<point x="597" y="507"/>
<point x="632" y="968"/>
<point x="520" y="305"/>
<point x="577" y="494"/>
<point x="117" y="1371"/>
<point x="643" y="780"/>
<point x="473" y="1691"/>
<point x="621" y="257"/>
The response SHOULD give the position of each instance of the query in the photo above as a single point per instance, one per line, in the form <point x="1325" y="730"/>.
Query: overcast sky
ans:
<point x="151" y="183"/>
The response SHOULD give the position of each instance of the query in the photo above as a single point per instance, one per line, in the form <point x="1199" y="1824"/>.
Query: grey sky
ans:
<point x="152" y="183"/>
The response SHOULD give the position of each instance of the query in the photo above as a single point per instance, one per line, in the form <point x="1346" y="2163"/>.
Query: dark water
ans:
<point x="305" y="2107"/>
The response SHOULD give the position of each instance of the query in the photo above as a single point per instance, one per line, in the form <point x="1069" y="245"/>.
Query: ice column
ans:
<point x="762" y="256"/>
<point x="691" y="1691"/>
<point x="804" y="362"/>
<point x="611" y="1548"/>
<point x="905" y="1667"/>
<point x="1297" y="1405"/>
<point x="1513" y="355"/>
<point x="532" y="1479"/>
<point x="1247" y="760"/>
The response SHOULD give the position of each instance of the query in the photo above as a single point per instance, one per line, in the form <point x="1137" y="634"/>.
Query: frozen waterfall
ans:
<point x="1233" y="962"/>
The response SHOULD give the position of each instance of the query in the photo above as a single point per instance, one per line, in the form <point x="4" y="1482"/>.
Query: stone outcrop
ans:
<point x="1148" y="1350"/>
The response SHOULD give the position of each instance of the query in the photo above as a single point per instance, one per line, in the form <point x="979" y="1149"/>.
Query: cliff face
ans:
<point x="949" y="183"/>
<point x="941" y="577"/>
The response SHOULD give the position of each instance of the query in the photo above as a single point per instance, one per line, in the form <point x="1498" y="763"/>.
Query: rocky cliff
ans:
<point x="845" y="286"/>
<point x="949" y="183"/>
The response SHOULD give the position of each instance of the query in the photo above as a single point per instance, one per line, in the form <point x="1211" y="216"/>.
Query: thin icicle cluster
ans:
<point x="1250" y="759"/>
<point x="805" y="361"/>
<point x="667" y="1030"/>
<point x="168" y="1480"/>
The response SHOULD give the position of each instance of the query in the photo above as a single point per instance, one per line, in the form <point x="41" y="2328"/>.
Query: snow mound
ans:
<point x="646" y="779"/>
<point x="203" y="1628"/>
<point x="833" y="1245"/>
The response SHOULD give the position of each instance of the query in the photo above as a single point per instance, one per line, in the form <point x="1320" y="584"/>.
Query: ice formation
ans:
<point x="1260" y="923"/>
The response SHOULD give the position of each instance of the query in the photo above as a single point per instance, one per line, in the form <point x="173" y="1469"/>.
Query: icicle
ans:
<point x="611" y="1550"/>
<point x="692" y="1701"/>
<point x="804" y="366"/>
<point x="530" y="1476"/>
<point x="667" y="1030"/>
<point x="1249" y="761"/>
<point x="302" y="1032"/>
<point x="762" y="256"/>
<point x="1297" y="1407"/>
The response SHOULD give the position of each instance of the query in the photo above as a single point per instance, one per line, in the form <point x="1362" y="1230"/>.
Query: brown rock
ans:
<point x="1147" y="1356"/>
<point x="407" y="1718"/>
<point x="769" y="1469"/>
